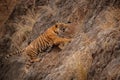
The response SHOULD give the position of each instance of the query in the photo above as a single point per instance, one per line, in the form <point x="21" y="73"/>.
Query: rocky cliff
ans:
<point x="93" y="54"/>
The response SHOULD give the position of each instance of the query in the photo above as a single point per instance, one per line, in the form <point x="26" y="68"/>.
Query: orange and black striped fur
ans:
<point x="52" y="36"/>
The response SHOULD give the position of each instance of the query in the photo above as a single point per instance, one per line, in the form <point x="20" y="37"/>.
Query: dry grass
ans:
<point x="23" y="29"/>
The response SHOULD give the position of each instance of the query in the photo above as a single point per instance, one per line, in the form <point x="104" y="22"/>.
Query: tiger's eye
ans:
<point x="56" y="25"/>
<point x="63" y="29"/>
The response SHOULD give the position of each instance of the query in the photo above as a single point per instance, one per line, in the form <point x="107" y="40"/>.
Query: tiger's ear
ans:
<point x="56" y="25"/>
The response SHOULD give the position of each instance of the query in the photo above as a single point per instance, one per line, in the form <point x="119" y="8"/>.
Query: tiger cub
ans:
<point x="52" y="36"/>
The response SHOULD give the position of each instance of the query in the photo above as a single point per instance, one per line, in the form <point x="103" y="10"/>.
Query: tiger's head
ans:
<point x="62" y="29"/>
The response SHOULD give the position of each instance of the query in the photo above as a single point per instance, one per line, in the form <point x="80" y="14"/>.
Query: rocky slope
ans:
<point x="94" y="53"/>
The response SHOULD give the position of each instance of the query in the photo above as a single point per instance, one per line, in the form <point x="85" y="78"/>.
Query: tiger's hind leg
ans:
<point x="29" y="63"/>
<point x="27" y="66"/>
<point x="31" y="58"/>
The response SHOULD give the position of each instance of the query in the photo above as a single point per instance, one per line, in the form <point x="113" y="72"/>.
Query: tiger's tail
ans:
<point x="14" y="53"/>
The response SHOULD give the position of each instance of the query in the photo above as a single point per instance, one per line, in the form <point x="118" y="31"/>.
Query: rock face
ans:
<point x="6" y="8"/>
<point x="94" y="53"/>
